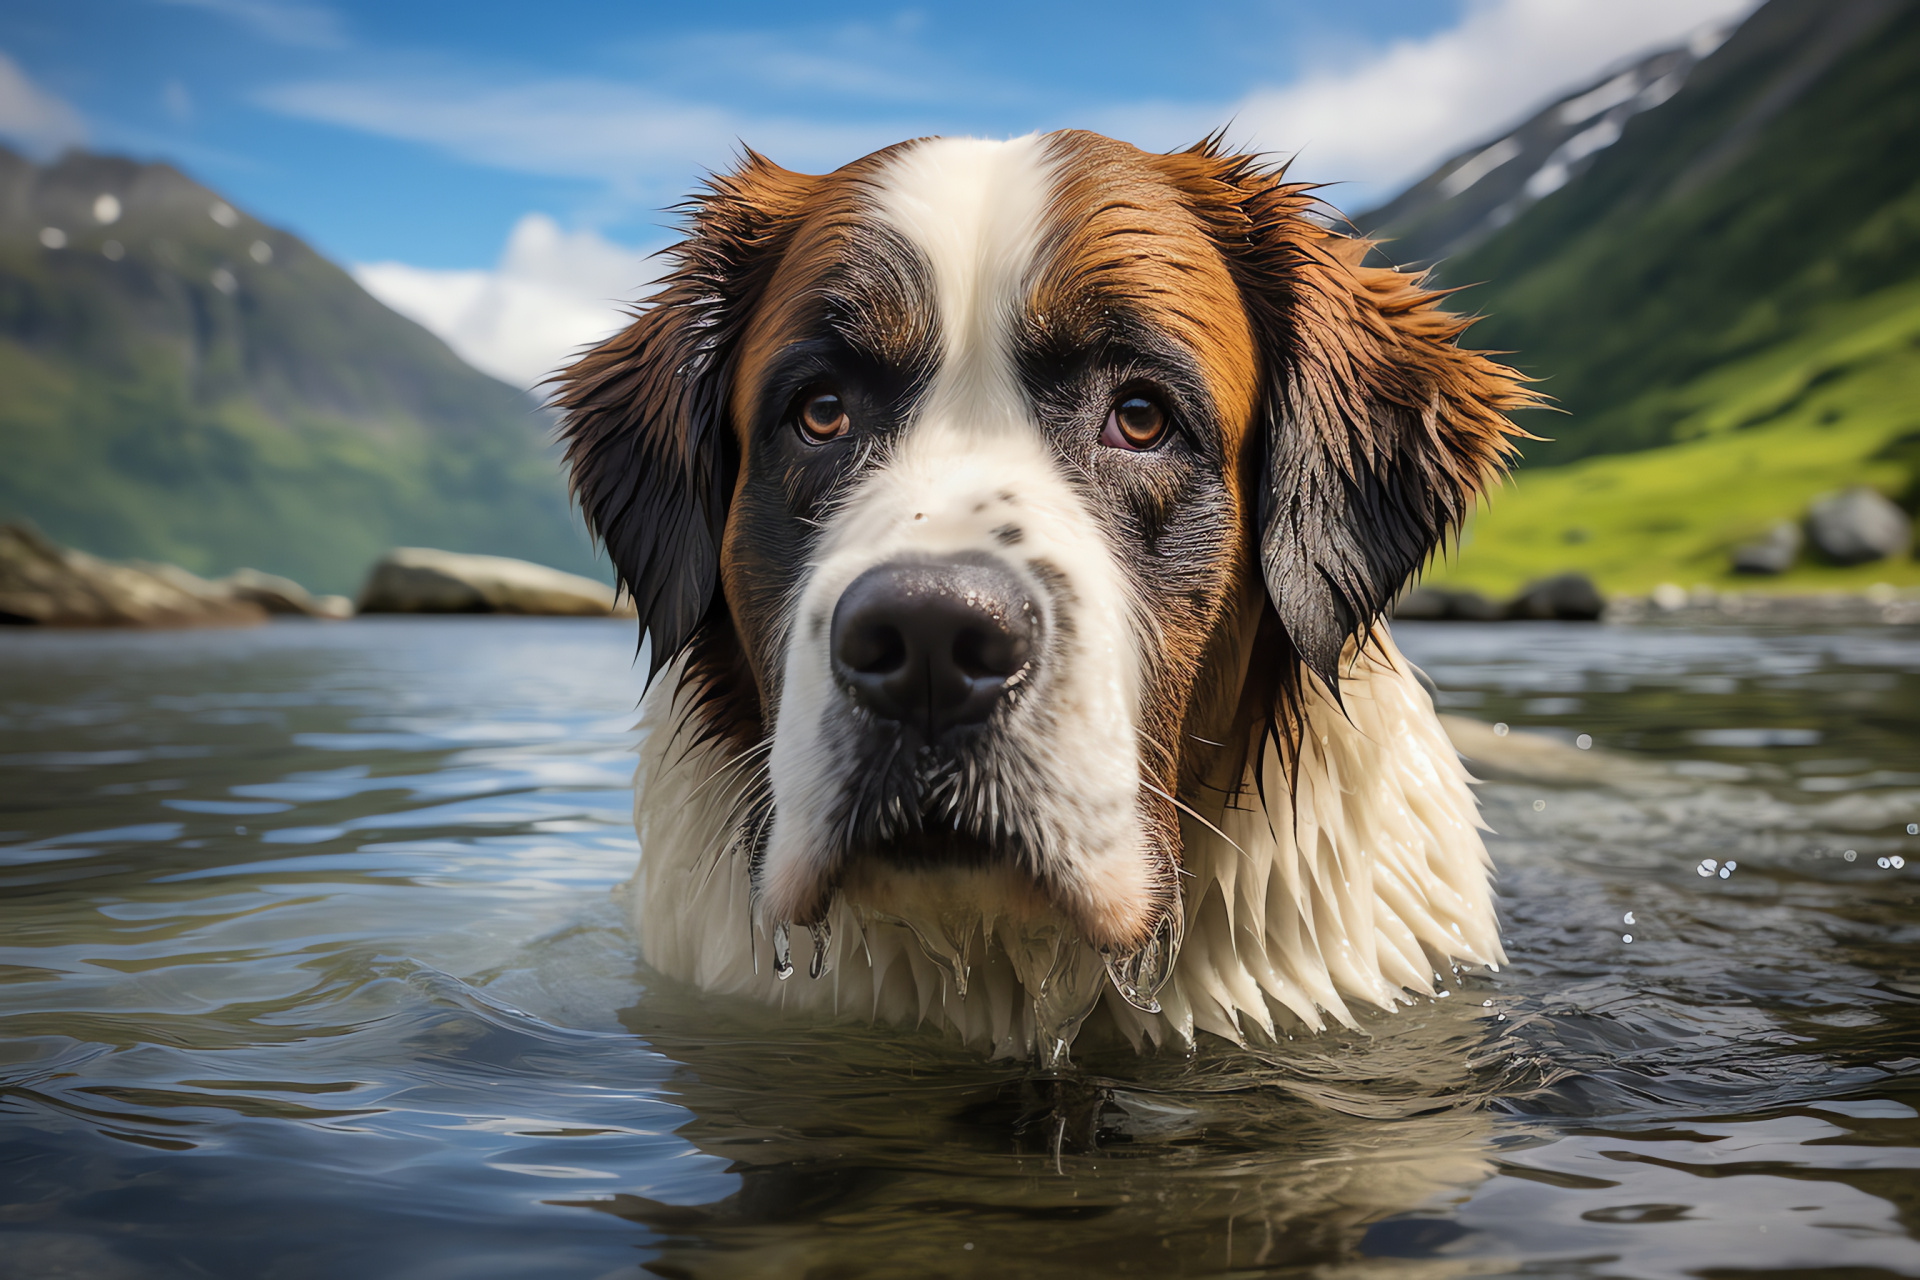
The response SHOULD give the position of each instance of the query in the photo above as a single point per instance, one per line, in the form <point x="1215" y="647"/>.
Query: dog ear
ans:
<point x="1379" y="431"/>
<point x="644" y="414"/>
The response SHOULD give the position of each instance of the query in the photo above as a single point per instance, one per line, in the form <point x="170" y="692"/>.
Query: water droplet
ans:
<point x="1500" y="730"/>
<point x="1897" y="861"/>
<point x="1884" y="864"/>
<point x="822" y="962"/>
<point x="1626" y="937"/>
<point x="1486" y="1004"/>
<point x="1627" y="919"/>
<point x="1539" y="806"/>
<point x="782" y="952"/>
<point x="1139" y="975"/>
<point x="1704" y="869"/>
<point x="1710" y="863"/>
<point x="1584" y="742"/>
<point x="1732" y="865"/>
<point x="1849" y="855"/>
<point x="1913" y="828"/>
<point x="1725" y="872"/>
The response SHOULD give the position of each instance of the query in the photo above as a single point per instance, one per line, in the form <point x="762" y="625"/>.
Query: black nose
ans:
<point x="932" y="645"/>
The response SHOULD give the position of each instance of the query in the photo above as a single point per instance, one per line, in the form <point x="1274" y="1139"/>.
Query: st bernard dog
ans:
<point x="1012" y="523"/>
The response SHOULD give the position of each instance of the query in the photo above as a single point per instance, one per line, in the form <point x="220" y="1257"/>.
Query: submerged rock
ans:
<point x="44" y="583"/>
<point x="1568" y="597"/>
<point x="1772" y="554"/>
<point x="1858" y="526"/>
<point x="422" y="580"/>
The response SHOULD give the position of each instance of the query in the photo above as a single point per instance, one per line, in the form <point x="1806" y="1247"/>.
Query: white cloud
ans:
<point x="33" y="119"/>
<point x="630" y="136"/>
<point x="551" y="293"/>
<point x="1388" y="118"/>
<point x="288" y="22"/>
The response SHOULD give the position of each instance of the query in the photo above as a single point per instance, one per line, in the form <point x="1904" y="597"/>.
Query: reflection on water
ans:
<point x="311" y="964"/>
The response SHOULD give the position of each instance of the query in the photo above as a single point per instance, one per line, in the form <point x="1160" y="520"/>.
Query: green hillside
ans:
<point x="185" y="383"/>
<point x="1761" y="437"/>
<point x="1726" y="307"/>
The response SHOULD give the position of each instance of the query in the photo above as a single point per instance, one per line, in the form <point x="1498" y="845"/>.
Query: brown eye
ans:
<point x="823" y="417"/>
<point x="1135" y="423"/>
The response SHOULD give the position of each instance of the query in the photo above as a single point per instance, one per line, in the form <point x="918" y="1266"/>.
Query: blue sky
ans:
<point x="499" y="170"/>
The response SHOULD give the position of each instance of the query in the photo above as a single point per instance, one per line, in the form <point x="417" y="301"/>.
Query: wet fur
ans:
<point x="1297" y="809"/>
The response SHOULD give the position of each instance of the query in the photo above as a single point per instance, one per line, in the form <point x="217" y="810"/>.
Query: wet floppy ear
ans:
<point x="1380" y="432"/>
<point x="644" y="414"/>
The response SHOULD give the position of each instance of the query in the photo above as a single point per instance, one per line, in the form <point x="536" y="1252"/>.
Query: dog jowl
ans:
<point x="1011" y="522"/>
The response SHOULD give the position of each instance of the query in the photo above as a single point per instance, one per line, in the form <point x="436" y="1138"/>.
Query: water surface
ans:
<point x="311" y="965"/>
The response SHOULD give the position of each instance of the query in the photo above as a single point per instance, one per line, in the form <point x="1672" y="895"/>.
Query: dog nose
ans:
<point x="932" y="645"/>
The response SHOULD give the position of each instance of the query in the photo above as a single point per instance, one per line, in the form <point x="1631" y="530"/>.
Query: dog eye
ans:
<point x="1135" y="423"/>
<point x="823" y="417"/>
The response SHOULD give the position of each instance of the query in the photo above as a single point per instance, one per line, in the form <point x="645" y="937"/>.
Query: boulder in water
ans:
<point x="44" y="583"/>
<point x="1568" y="597"/>
<point x="422" y="580"/>
<point x="283" y="595"/>
<point x="1445" y="604"/>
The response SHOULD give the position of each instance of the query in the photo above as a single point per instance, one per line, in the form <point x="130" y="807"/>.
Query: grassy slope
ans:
<point x="295" y="425"/>
<point x="1730" y="332"/>
<point x="1762" y="437"/>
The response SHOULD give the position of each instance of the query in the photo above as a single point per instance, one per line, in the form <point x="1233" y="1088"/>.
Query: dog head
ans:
<point x="1004" y="493"/>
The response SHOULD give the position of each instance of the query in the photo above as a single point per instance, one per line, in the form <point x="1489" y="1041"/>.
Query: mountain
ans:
<point x="1778" y="183"/>
<point x="186" y="383"/>
<point x="1472" y="195"/>
<point x="1724" y="302"/>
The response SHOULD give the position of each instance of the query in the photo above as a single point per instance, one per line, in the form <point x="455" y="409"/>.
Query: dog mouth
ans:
<point x="952" y="815"/>
<point x="909" y="804"/>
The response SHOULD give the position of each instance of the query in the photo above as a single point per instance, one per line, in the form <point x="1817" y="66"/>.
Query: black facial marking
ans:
<point x="872" y="342"/>
<point x="1009" y="535"/>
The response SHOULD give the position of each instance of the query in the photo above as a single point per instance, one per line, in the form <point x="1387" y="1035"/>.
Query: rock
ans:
<point x="1857" y="526"/>
<point x="44" y="583"/>
<point x="1774" y="553"/>
<point x="1439" y="604"/>
<point x="1669" y="597"/>
<point x="1568" y="597"/>
<point x="283" y="595"/>
<point x="421" y="580"/>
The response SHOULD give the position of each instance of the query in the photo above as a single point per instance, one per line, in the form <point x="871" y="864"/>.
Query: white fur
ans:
<point x="1348" y="891"/>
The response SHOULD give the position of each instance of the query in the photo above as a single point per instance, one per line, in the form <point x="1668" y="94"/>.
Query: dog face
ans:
<point x="1004" y="493"/>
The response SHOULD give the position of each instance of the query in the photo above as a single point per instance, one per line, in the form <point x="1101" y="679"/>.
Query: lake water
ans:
<point x="310" y="966"/>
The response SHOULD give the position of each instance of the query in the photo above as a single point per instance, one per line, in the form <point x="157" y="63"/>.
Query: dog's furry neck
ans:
<point x="1345" y="877"/>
